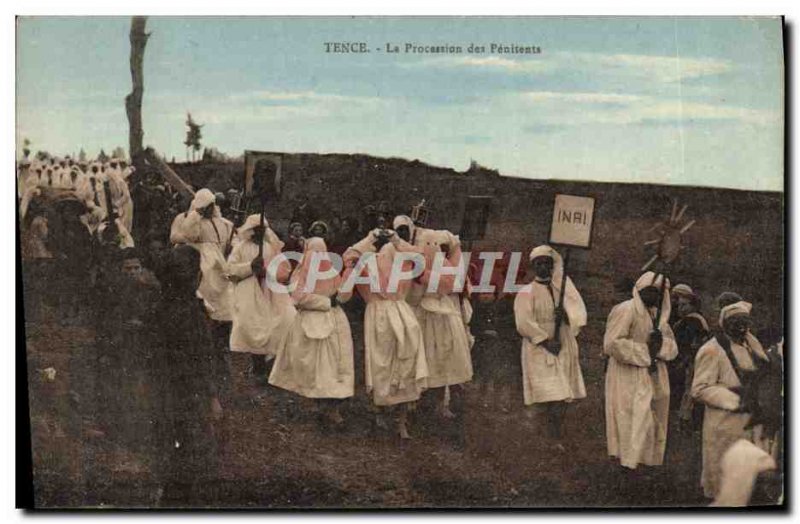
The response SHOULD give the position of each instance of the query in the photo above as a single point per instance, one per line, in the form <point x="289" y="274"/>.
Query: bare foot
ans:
<point x="401" y="426"/>
<point x="216" y="410"/>
<point x="336" y="418"/>
<point x="447" y="413"/>
<point x="94" y="433"/>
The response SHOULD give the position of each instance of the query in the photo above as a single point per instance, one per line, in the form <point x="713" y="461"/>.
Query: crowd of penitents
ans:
<point x="247" y="290"/>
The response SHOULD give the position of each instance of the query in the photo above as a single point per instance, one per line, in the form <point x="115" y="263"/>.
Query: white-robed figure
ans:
<point x="91" y="189"/>
<point x="120" y="193"/>
<point x="447" y="347"/>
<point x="551" y="372"/>
<point x="637" y="383"/>
<point x="717" y="384"/>
<point x="28" y="177"/>
<point x="405" y="228"/>
<point x="740" y="467"/>
<point x="317" y="359"/>
<point x="395" y="366"/>
<point x="260" y="316"/>
<point x="203" y="227"/>
<point x="415" y="235"/>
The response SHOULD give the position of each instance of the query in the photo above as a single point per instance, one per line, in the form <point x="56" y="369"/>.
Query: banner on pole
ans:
<point x="262" y="174"/>
<point x="476" y="217"/>
<point x="573" y="217"/>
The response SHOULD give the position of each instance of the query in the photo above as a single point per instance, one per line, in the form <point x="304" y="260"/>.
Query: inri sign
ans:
<point x="572" y="221"/>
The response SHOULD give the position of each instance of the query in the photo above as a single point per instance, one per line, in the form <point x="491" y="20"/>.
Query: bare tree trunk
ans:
<point x="133" y="102"/>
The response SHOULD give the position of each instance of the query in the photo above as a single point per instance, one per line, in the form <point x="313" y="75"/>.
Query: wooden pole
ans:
<point x="242" y="214"/>
<point x="560" y="307"/>
<point x="261" y="223"/>
<point x="263" y="237"/>
<point x="659" y="309"/>
<point x="169" y="175"/>
<point x="661" y="299"/>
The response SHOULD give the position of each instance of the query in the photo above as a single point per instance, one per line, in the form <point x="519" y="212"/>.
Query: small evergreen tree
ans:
<point x="193" y="137"/>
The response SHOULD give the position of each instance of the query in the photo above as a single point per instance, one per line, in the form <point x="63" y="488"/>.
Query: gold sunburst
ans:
<point x="669" y="236"/>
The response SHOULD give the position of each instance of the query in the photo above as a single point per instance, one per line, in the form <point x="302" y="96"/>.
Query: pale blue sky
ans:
<point x="681" y="101"/>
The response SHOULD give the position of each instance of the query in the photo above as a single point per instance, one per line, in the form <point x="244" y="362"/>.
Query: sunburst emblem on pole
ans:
<point x="668" y="243"/>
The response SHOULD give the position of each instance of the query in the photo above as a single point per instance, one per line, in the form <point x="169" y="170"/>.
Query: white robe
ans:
<point x="94" y="196"/>
<point x="416" y="292"/>
<point x="317" y="359"/>
<point x="121" y="198"/>
<point x="714" y="375"/>
<point x="545" y="377"/>
<point x="396" y="368"/>
<point x="215" y="289"/>
<point x="444" y="330"/>
<point x="28" y="194"/>
<point x="637" y="404"/>
<point x="740" y="466"/>
<point x="447" y="348"/>
<point x="260" y="318"/>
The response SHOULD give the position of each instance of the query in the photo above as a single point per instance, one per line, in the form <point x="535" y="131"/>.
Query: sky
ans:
<point x="689" y="101"/>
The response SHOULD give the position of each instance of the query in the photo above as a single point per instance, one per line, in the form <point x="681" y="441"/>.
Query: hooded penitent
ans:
<point x="716" y="384"/>
<point x="261" y="317"/>
<point x="740" y="466"/>
<point x="317" y="360"/>
<point x="211" y="238"/>
<point x="737" y="308"/>
<point x="91" y="190"/>
<point x="637" y="401"/>
<point x="307" y="276"/>
<point x="573" y="303"/>
<point x="447" y="344"/>
<point x="416" y="239"/>
<point x="202" y="199"/>
<point x="120" y="195"/>
<point x="547" y="377"/>
<point x="395" y="362"/>
<point x="404" y="220"/>
<point x="245" y="232"/>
